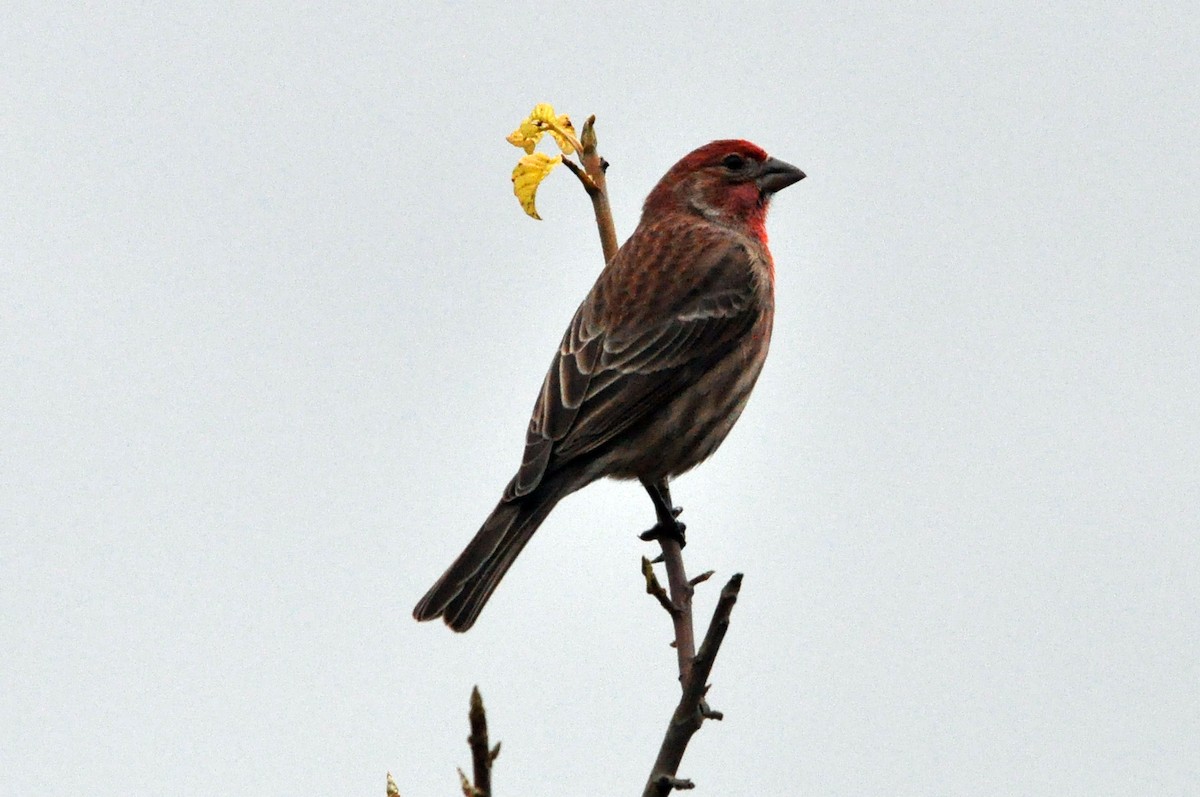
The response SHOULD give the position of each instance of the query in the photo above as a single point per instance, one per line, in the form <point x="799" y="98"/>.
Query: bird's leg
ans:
<point x="667" y="525"/>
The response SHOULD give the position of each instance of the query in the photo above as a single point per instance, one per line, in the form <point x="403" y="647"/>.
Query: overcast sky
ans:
<point x="271" y="325"/>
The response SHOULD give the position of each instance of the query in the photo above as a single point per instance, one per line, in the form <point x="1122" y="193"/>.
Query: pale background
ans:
<point x="272" y="324"/>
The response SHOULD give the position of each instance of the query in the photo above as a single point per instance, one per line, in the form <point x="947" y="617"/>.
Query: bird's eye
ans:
<point x="733" y="162"/>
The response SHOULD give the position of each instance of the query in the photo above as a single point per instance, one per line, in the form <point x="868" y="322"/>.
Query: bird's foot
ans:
<point x="672" y="530"/>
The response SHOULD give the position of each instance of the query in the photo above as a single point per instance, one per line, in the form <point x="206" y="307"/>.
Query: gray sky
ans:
<point x="272" y="325"/>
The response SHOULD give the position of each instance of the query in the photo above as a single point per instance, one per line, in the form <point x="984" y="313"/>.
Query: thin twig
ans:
<point x="713" y="638"/>
<point x="578" y="171"/>
<point x="692" y="709"/>
<point x="481" y="755"/>
<point x="681" y="597"/>
<point x="594" y="166"/>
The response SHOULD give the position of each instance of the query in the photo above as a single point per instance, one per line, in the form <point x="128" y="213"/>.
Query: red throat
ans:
<point x="746" y="202"/>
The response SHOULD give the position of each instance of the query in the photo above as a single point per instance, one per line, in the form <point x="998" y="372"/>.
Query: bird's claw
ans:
<point x="669" y="531"/>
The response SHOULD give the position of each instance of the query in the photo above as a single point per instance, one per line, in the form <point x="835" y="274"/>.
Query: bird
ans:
<point x="655" y="367"/>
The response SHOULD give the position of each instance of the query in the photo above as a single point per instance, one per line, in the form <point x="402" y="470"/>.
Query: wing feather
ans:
<point x="608" y="376"/>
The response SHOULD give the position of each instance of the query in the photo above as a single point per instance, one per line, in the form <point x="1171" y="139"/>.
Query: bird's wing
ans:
<point x="609" y="374"/>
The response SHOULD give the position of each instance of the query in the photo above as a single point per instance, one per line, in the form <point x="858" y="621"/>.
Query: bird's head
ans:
<point x="727" y="181"/>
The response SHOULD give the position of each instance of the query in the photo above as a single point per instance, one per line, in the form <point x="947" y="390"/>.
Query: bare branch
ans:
<point x="713" y="638"/>
<point x="588" y="184"/>
<point x="692" y="709"/>
<point x="681" y="597"/>
<point x="594" y="166"/>
<point x="481" y="755"/>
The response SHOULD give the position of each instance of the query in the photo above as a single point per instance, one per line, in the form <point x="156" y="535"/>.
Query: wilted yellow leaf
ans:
<point x="540" y="121"/>
<point x="528" y="174"/>
<point x="558" y="126"/>
<point x="526" y="136"/>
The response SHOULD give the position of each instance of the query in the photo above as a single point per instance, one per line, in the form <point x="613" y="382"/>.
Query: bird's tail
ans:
<point x="459" y="595"/>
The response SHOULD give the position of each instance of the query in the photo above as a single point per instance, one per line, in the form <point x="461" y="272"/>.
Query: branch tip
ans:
<point x="666" y="783"/>
<point x="588" y="137"/>
<point x="481" y="756"/>
<point x="709" y="713"/>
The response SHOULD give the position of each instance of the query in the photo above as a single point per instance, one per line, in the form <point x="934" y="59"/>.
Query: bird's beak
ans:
<point x="775" y="175"/>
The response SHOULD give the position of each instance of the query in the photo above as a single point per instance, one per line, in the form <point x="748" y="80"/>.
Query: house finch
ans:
<point x="655" y="367"/>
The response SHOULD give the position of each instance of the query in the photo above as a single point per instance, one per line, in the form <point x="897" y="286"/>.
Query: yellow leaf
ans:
<point x="558" y="126"/>
<point x="528" y="174"/>
<point x="526" y="136"/>
<point x="542" y="120"/>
